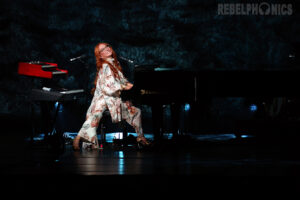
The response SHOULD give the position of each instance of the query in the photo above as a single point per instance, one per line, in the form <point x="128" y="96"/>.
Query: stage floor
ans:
<point x="167" y="164"/>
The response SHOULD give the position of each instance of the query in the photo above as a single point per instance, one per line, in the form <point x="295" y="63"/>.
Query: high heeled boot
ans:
<point x="141" y="140"/>
<point x="76" y="143"/>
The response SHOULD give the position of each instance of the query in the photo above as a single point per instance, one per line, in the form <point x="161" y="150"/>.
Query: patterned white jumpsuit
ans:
<point x="106" y="97"/>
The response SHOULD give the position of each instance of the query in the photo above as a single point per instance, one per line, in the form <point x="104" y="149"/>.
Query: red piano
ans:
<point x="40" y="69"/>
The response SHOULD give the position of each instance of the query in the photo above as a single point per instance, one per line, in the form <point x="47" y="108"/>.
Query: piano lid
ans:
<point x="40" y="69"/>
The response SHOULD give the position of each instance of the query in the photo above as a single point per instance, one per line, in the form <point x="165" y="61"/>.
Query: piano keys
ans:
<point x="55" y="96"/>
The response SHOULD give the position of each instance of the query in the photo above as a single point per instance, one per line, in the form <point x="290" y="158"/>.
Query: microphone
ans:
<point x="126" y="59"/>
<point x="78" y="57"/>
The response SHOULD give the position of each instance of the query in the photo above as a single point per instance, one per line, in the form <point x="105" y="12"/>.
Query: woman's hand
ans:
<point x="117" y="93"/>
<point x="128" y="86"/>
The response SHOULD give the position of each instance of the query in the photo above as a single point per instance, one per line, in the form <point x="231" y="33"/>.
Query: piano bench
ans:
<point x="105" y="117"/>
<point x="105" y="114"/>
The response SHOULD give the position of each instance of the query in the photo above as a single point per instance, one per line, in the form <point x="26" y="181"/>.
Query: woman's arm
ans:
<point x="123" y="80"/>
<point x="109" y="85"/>
<point x="128" y="86"/>
<point x="125" y="84"/>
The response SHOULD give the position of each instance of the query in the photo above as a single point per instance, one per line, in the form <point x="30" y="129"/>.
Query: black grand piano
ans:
<point x="157" y="86"/>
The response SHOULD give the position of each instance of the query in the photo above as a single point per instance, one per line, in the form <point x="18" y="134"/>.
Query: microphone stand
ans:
<point x="86" y="81"/>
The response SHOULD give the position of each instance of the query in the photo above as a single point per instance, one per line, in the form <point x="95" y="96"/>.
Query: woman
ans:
<point x="109" y="83"/>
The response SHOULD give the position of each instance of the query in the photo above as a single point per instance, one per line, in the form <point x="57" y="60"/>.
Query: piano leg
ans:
<point x="175" y="116"/>
<point x="53" y="136"/>
<point x="33" y="122"/>
<point x="46" y="107"/>
<point x="157" y="120"/>
<point x="49" y="121"/>
<point x="199" y="115"/>
<point x="125" y="132"/>
<point x="103" y="136"/>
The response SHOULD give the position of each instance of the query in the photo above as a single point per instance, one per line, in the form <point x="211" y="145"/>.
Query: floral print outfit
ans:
<point x="106" y="97"/>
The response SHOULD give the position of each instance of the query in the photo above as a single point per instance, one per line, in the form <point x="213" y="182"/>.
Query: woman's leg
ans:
<point x="133" y="116"/>
<point x="88" y="131"/>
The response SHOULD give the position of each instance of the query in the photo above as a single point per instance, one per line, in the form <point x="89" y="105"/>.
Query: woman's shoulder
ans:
<point x="105" y="66"/>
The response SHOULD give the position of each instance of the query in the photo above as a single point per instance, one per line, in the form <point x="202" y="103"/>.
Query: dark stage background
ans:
<point x="186" y="34"/>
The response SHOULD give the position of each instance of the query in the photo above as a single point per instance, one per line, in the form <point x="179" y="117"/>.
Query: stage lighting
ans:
<point x="253" y="107"/>
<point x="187" y="107"/>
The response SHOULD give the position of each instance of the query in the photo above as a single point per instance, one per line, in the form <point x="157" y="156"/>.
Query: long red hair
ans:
<point x="100" y="61"/>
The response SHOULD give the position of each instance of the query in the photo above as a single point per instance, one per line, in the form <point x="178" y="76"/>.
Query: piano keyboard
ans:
<point x="58" y="72"/>
<point x="47" y="94"/>
<point x="48" y="66"/>
<point x="72" y="91"/>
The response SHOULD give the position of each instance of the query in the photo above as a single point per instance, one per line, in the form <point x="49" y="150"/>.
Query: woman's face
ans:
<point x="105" y="50"/>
